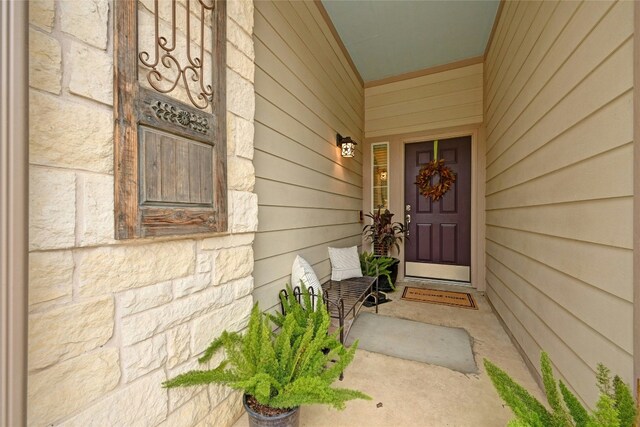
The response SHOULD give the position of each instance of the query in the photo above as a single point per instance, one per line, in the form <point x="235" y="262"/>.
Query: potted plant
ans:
<point x="615" y="407"/>
<point x="278" y="371"/>
<point x="378" y="266"/>
<point x="385" y="234"/>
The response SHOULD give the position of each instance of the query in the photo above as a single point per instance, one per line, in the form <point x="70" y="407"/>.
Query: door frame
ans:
<point x="636" y="198"/>
<point x="14" y="169"/>
<point x="434" y="269"/>
<point x="396" y="187"/>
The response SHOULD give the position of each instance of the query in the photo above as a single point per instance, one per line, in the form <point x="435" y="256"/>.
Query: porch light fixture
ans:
<point x="347" y="145"/>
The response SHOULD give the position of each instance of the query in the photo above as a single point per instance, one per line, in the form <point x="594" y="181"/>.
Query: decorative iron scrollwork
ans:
<point x="172" y="114"/>
<point x="165" y="54"/>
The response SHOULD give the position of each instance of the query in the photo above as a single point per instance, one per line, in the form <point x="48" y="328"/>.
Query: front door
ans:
<point x="438" y="244"/>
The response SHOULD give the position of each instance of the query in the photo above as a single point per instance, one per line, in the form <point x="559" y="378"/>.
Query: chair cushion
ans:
<point x="345" y="263"/>
<point x="301" y="271"/>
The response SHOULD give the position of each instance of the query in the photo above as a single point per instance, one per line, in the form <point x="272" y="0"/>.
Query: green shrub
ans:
<point x="615" y="407"/>
<point x="293" y="366"/>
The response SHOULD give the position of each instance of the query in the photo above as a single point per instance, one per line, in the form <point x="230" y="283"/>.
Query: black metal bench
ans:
<point x="343" y="299"/>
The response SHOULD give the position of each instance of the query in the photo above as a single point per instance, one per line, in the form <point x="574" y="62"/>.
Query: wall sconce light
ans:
<point x="347" y="145"/>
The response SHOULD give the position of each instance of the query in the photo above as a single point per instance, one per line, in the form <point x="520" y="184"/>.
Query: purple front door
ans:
<point x="439" y="233"/>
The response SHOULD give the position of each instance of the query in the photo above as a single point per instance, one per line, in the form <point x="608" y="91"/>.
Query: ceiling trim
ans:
<point x="493" y="29"/>
<point x="333" y="30"/>
<point x="426" y="71"/>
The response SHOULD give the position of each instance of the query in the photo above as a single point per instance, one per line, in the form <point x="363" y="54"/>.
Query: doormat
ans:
<point x="433" y="296"/>
<point x="417" y="341"/>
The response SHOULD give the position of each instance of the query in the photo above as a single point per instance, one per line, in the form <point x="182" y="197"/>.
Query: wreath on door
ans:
<point x="427" y="173"/>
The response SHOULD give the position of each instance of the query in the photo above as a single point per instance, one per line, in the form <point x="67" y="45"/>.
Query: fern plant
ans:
<point x="285" y="369"/>
<point x="615" y="407"/>
<point x="380" y="266"/>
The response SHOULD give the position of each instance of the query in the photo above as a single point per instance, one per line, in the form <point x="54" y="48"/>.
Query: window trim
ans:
<point x="373" y="145"/>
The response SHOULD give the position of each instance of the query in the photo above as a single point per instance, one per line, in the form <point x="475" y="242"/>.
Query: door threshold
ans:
<point x="426" y="281"/>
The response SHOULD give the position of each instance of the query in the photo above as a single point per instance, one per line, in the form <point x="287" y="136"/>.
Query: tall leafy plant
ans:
<point x="291" y="367"/>
<point x="615" y="407"/>
<point x="383" y="232"/>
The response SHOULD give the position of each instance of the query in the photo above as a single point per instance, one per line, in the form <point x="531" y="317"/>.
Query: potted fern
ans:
<point x="278" y="371"/>
<point x="615" y="407"/>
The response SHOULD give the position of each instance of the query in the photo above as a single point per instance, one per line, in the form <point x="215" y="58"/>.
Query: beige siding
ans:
<point x="308" y="195"/>
<point x="558" y="112"/>
<point x="434" y="101"/>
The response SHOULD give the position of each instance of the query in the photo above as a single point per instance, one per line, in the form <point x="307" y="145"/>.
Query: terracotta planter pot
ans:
<point x="288" y="419"/>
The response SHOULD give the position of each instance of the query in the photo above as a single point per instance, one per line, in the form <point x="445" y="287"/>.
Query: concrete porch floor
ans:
<point x="418" y="394"/>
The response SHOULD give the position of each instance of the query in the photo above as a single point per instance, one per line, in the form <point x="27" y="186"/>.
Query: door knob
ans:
<point x="407" y="221"/>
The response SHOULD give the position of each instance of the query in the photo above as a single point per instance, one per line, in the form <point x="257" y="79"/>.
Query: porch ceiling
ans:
<point x="391" y="37"/>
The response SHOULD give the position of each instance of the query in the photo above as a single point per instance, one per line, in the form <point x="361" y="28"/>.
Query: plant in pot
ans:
<point x="278" y="371"/>
<point x="377" y="266"/>
<point x="615" y="406"/>
<point x="384" y="234"/>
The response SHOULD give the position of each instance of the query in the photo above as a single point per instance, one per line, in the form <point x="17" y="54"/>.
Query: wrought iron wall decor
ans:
<point x="170" y="113"/>
<point x="165" y="58"/>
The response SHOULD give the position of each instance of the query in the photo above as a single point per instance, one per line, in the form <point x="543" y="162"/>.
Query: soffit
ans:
<point x="390" y="37"/>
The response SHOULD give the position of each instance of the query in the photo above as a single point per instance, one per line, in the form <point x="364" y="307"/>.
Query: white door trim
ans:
<point x="14" y="168"/>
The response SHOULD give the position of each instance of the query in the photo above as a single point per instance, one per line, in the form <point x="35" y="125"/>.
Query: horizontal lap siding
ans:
<point x="434" y="101"/>
<point x="309" y="196"/>
<point x="558" y="114"/>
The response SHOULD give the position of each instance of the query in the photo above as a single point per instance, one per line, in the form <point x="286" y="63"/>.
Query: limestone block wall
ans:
<point x="110" y="320"/>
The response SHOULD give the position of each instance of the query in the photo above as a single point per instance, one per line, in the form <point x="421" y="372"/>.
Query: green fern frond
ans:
<point x="213" y="348"/>
<point x="267" y="354"/>
<point x="261" y="386"/>
<point x="549" y="382"/>
<point x="603" y="380"/>
<point x="308" y="390"/>
<point x="578" y="412"/>
<point x="605" y="414"/>
<point x="624" y="403"/>
<point x="560" y="415"/>
<point x="251" y="346"/>
<point x="194" y="378"/>
<point x="525" y="407"/>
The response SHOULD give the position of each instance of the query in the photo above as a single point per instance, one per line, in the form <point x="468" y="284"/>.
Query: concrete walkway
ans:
<point x="418" y="394"/>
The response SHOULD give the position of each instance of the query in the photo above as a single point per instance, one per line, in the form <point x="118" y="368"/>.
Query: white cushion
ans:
<point x="345" y="263"/>
<point x="302" y="271"/>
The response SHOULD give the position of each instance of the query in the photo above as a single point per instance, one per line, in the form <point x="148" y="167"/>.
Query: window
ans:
<point x="170" y="133"/>
<point x="380" y="174"/>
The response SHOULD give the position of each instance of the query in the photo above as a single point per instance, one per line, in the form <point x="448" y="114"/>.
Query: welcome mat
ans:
<point x="433" y="296"/>
<point x="411" y="340"/>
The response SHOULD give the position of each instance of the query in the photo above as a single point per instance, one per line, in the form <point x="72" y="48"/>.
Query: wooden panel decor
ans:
<point x="170" y="130"/>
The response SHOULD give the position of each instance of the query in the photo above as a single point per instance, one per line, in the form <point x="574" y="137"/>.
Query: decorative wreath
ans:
<point x="425" y="177"/>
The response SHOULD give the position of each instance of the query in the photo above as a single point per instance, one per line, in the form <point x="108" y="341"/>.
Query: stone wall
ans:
<point x="110" y="320"/>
